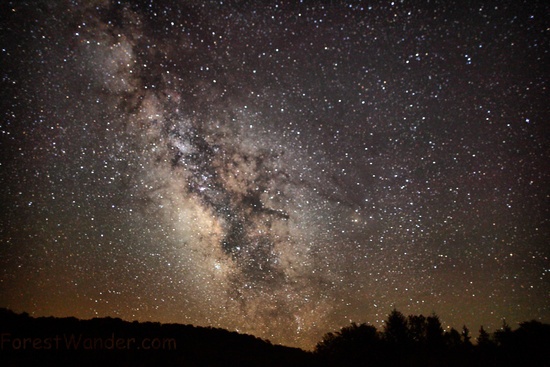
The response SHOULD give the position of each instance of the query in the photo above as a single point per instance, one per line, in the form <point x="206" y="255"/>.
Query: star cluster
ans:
<point x="277" y="169"/>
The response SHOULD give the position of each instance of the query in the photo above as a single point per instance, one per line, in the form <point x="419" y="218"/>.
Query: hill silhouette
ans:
<point x="49" y="341"/>
<point x="409" y="341"/>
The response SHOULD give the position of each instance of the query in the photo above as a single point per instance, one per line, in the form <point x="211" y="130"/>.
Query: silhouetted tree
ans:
<point x="395" y="330"/>
<point x="453" y="339"/>
<point x="359" y="334"/>
<point x="503" y="337"/>
<point x="328" y="345"/>
<point x="354" y="345"/>
<point x="466" y="338"/>
<point x="434" y="332"/>
<point x="484" y="339"/>
<point x="417" y="328"/>
<point x="531" y="343"/>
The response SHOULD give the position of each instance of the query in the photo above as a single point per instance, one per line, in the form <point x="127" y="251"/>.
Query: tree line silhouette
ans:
<point x="414" y="340"/>
<point x="417" y="340"/>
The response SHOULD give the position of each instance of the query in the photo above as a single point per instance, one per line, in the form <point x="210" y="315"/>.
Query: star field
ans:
<point x="276" y="168"/>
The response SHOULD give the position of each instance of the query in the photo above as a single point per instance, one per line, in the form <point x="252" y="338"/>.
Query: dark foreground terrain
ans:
<point x="405" y="341"/>
<point x="28" y="341"/>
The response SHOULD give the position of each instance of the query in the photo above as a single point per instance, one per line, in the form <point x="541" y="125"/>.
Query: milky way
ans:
<point x="275" y="169"/>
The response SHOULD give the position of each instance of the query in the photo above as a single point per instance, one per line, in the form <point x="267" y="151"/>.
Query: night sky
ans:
<point x="276" y="168"/>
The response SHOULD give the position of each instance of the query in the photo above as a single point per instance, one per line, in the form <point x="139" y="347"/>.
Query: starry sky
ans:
<point x="276" y="168"/>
